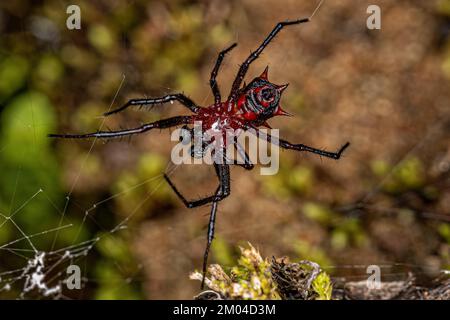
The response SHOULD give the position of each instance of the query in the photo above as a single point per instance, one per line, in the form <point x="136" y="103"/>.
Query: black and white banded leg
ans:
<point x="255" y="54"/>
<point x="185" y="101"/>
<point x="160" y="124"/>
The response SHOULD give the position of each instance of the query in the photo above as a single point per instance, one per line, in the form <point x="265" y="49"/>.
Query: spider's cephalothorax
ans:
<point x="247" y="107"/>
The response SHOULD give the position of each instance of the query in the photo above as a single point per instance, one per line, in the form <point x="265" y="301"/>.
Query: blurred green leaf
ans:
<point x="318" y="212"/>
<point x="49" y="70"/>
<point x="407" y="175"/>
<point x="13" y="75"/>
<point x="27" y="163"/>
<point x="301" y="179"/>
<point x="101" y="37"/>
<point x="113" y="248"/>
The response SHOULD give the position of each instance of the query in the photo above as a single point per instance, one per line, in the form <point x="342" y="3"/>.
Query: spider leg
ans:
<point x="223" y="174"/>
<point x="167" y="98"/>
<point x="212" y="80"/>
<point x="255" y="54"/>
<point x="247" y="165"/>
<point x="222" y="191"/>
<point x="210" y="236"/>
<point x="301" y="147"/>
<point x="195" y="153"/>
<point x="160" y="124"/>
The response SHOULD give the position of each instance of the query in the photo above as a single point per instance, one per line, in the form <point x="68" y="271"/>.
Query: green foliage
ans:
<point x="101" y="37"/>
<point x="348" y="231"/>
<point x="345" y="231"/>
<point x="112" y="284"/>
<point x="253" y="279"/>
<point x="250" y="279"/>
<point x="26" y="164"/>
<point x="301" y="179"/>
<point x="407" y="175"/>
<point x="135" y="185"/>
<point x="319" y="213"/>
<point x="13" y="74"/>
<point x="291" y="180"/>
<point x="115" y="270"/>
<point x="322" y="286"/>
<point x="49" y="70"/>
<point x="114" y="248"/>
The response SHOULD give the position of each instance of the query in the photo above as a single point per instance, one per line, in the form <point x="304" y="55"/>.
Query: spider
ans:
<point x="247" y="107"/>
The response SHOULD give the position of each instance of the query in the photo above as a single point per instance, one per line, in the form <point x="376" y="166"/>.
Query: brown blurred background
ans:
<point x="386" y="202"/>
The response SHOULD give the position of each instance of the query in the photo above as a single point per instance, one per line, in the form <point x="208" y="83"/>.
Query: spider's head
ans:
<point x="260" y="99"/>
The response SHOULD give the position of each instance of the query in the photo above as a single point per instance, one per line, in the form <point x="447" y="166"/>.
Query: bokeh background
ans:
<point x="387" y="202"/>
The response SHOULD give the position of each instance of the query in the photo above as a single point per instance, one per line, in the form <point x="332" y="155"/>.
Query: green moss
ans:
<point x="114" y="248"/>
<point x="380" y="167"/>
<point x="322" y="286"/>
<point x="114" y="271"/>
<point x="27" y="163"/>
<point x="407" y="175"/>
<point x="135" y="185"/>
<point x="348" y="232"/>
<point x="101" y="37"/>
<point x="49" y="70"/>
<point x="301" y="179"/>
<point x="112" y="284"/>
<point x="410" y="173"/>
<point x="255" y="278"/>
<point x="13" y="74"/>
<point x="250" y="279"/>
<point x="318" y="212"/>
<point x="291" y="180"/>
